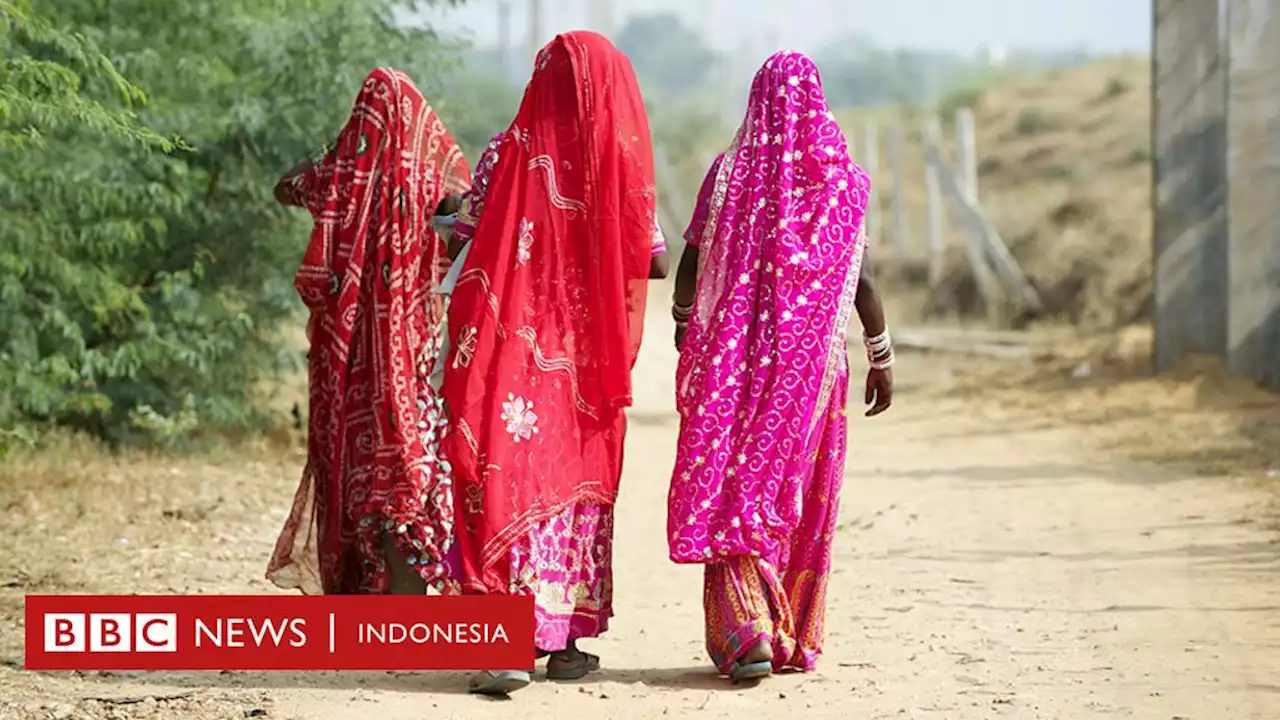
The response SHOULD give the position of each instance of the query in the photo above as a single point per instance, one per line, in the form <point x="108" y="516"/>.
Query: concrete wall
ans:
<point x="1190" y="165"/>
<point x="1253" y="200"/>
<point x="1216" y="137"/>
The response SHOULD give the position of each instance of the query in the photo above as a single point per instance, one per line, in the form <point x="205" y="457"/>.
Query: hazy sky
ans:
<point x="957" y="25"/>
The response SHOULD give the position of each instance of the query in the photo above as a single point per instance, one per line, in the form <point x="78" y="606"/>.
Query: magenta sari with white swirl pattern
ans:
<point x="763" y="372"/>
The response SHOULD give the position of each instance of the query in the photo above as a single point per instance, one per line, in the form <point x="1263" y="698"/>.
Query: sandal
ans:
<point x="743" y="672"/>
<point x="580" y="668"/>
<point x="499" y="682"/>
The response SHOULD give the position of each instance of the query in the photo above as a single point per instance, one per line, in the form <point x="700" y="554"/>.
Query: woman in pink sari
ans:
<point x="776" y="250"/>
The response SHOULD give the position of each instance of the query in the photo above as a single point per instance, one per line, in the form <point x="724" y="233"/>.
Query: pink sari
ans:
<point x="763" y="375"/>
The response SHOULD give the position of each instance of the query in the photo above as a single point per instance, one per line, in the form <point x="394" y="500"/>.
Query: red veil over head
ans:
<point x="370" y="277"/>
<point x="546" y="319"/>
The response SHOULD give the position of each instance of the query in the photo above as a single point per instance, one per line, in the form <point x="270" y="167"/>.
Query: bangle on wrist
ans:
<point x="878" y="344"/>
<point x="879" y="350"/>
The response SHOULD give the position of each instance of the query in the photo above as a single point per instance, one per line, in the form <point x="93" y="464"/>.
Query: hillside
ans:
<point x="1064" y="175"/>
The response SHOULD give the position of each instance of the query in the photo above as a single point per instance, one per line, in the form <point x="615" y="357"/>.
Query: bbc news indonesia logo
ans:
<point x="264" y="632"/>
<point x="110" y="632"/>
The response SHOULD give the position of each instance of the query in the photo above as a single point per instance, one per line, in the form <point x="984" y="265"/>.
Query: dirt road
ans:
<point x="988" y="565"/>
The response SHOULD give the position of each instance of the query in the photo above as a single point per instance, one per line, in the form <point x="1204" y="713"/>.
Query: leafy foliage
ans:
<point x="144" y="282"/>
<point x="670" y="59"/>
<point x="40" y="95"/>
<point x="477" y="100"/>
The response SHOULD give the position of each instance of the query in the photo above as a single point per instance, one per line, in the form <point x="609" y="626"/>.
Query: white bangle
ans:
<point x="878" y="344"/>
<point x="879" y="350"/>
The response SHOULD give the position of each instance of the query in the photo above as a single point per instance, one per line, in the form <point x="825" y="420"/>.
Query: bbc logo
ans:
<point x="110" y="632"/>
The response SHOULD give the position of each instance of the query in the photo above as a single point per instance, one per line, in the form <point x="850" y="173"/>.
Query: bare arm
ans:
<point x="867" y="302"/>
<point x="687" y="277"/>
<point x="686" y="289"/>
<point x="450" y="205"/>
<point x="658" y="264"/>
<point x="659" y="268"/>
<point x="879" y="385"/>
<point x="284" y="192"/>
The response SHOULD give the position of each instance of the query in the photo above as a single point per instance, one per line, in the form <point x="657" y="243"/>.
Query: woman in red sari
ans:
<point x="545" y="325"/>
<point x="374" y="510"/>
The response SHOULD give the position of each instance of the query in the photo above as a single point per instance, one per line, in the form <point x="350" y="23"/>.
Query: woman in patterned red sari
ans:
<point x="545" y="325"/>
<point x="374" y="510"/>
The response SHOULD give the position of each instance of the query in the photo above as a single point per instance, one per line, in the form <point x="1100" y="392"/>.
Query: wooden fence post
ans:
<point x="966" y="154"/>
<point x="871" y="163"/>
<point x="989" y="257"/>
<point x="901" y="231"/>
<point x="932" y="132"/>
<point x="980" y="238"/>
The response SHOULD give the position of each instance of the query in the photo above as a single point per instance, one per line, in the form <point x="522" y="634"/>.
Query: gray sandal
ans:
<point x="751" y="671"/>
<point x="584" y="666"/>
<point x="499" y="682"/>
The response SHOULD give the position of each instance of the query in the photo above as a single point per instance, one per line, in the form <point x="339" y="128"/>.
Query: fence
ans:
<point x="1216" y="136"/>
<point x="951" y="183"/>
<point x="951" y="189"/>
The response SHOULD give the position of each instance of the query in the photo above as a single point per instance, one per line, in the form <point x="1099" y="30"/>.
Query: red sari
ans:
<point x="545" y="321"/>
<point x="370" y="277"/>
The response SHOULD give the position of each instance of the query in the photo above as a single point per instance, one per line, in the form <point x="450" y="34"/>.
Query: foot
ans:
<point x="571" y="664"/>
<point x="499" y="682"/>
<point x="756" y="664"/>
<point x="760" y="652"/>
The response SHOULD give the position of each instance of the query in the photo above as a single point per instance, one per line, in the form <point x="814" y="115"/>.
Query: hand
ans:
<point x="681" y="329"/>
<point x="879" y="391"/>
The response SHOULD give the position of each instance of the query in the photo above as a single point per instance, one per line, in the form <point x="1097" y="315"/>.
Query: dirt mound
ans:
<point x="1064" y="176"/>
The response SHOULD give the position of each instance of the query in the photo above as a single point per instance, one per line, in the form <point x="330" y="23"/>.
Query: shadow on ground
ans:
<point x="112" y="683"/>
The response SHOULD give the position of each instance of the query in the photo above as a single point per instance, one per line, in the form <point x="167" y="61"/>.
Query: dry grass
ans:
<point x="1198" y="420"/>
<point x="1064" y="175"/>
<point x="79" y="519"/>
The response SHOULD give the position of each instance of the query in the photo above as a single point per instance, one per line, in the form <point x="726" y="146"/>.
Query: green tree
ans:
<point x="43" y="75"/>
<point x="856" y="72"/>
<point x="671" y="61"/>
<point x="477" y="99"/>
<point x="142" y="294"/>
<point x="42" y="92"/>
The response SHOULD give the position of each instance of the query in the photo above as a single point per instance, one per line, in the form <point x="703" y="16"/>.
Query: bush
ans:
<point x="966" y="97"/>
<point x="1034" y="121"/>
<point x="142" y="293"/>
<point x="1116" y="87"/>
<point x="1139" y="155"/>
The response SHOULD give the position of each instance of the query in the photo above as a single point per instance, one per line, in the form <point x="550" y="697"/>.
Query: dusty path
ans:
<point x="987" y="566"/>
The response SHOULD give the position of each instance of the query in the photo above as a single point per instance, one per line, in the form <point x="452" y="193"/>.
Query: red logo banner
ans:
<point x="272" y="632"/>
